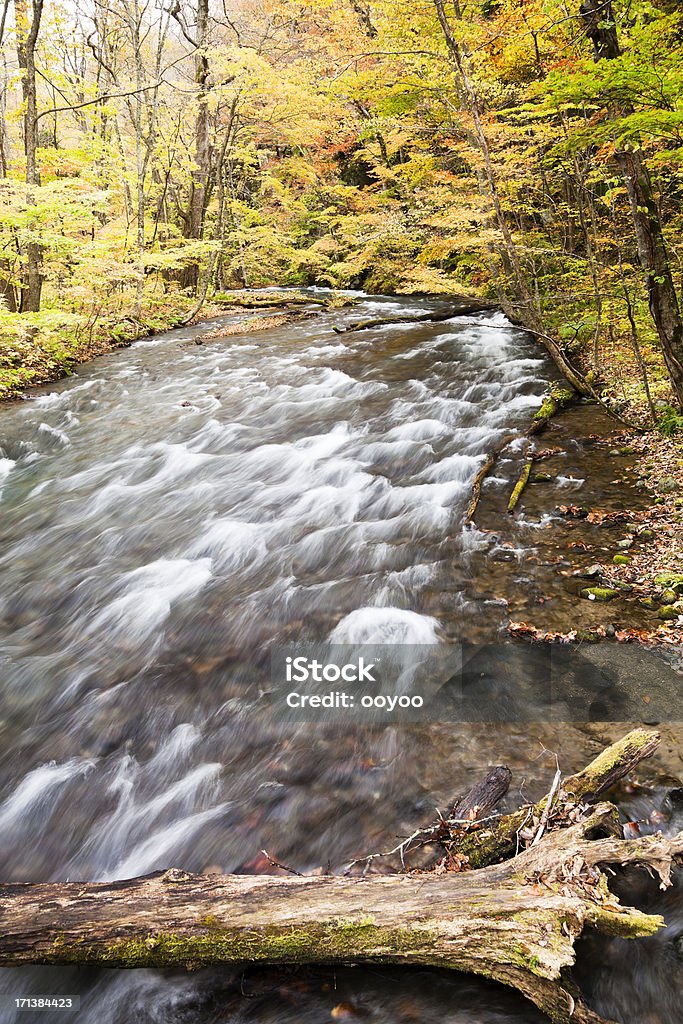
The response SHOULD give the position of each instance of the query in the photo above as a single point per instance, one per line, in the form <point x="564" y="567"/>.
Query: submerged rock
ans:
<point x="589" y="572"/>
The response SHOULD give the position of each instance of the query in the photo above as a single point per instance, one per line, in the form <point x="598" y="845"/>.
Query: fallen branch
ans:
<point x="515" y="922"/>
<point x="522" y="481"/>
<point x="504" y="837"/>
<point x="463" y="309"/>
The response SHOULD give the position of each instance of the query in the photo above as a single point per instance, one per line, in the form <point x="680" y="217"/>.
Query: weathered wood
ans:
<point x="499" y="922"/>
<point x="515" y="922"/>
<point x="477" y="484"/>
<point x="484" y="796"/>
<point x="463" y="308"/>
<point x="502" y="837"/>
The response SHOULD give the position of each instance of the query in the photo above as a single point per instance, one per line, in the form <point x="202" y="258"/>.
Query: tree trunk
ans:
<point x="27" y="38"/>
<point x="514" y="922"/>
<point x="600" y="27"/>
<point x="193" y="218"/>
<point x="654" y="259"/>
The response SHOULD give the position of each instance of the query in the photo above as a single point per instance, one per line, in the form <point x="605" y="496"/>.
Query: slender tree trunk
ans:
<point x="193" y="218"/>
<point x="27" y="38"/>
<point x="654" y="259"/>
<point x="600" y="27"/>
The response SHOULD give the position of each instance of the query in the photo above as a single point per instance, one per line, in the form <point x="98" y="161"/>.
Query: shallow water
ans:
<point x="168" y="514"/>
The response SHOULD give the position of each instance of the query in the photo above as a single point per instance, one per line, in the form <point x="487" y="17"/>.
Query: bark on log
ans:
<point x="502" y="837"/>
<point x="484" y="796"/>
<point x="514" y="922"/>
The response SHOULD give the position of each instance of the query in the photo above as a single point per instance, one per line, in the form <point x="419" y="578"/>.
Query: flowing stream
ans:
<point x="171" y="511"/>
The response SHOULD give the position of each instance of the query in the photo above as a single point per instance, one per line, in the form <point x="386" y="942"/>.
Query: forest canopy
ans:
<point x="154" y="153"/>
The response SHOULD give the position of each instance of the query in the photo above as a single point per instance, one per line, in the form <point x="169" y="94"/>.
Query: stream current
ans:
<point x="167" y="514"/>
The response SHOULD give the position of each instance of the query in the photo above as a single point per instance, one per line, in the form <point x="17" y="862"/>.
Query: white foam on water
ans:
<point x="372" y="625"/>
<point x="6" y="467"/>
<point x="149" y="593"/>
<point x="55" y="434"/>
<point x="231" y="544"/>
<point x="35" y="796"/>
<point x="153" y="852"/>
<point x="418" y="430"/>
<point x="570" y="483"/>
<point x="454" y="468"/>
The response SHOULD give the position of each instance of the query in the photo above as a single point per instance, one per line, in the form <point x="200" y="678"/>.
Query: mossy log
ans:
<point x="501" y="837"/>
<point x="515" y="922"/>
<point x="522" y="481"/>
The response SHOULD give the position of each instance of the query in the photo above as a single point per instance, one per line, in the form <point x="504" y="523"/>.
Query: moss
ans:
<point x="215" y="944"/>
<point x="598" y="593"/>
<point x="554" y="403"/>
<point x="621" y="560"/>
<point x="670" y="580"/>
<point x="667" y="611"/>
<point x="628" y="924"/>
<point x="519" y="486"/>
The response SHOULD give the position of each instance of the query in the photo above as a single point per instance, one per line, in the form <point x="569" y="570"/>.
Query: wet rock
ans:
<point x="589" y="572"/>
<point x="646" y="535"/>
<point x="541" y="478"/>
<point x="650" y="603"/>
<point x="625" y="544"/>
<point x="598" y="593"/>
<point x="668" y="485"/>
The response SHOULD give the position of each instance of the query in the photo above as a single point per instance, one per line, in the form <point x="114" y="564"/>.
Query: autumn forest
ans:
<point x="526" y="151"/>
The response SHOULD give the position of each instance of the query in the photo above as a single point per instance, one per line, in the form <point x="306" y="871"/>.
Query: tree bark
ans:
<point x="193" y="217"/>
<point x="600" y="27"/>
<point x="498" y="922"/>
<point x="27" y="38"/>
<point x="514" y="922"/>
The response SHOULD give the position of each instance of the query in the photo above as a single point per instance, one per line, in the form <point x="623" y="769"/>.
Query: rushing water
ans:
<point x="170" y="512"/>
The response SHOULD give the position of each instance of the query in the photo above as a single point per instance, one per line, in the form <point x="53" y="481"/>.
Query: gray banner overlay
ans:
<point x="467" y="683"/>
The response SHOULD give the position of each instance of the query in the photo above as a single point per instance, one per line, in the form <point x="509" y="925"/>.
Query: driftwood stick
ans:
<point x="522" y="481"/>
<point x="484" y="796"/>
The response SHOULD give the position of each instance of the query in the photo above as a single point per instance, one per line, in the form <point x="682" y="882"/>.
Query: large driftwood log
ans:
<point x="515" y="922"/>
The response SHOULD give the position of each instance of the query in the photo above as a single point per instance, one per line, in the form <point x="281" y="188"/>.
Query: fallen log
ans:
<point x="462" y="309"/>
<point x="515" y="922"/>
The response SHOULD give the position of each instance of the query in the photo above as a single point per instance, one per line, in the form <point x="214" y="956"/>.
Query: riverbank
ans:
<point x="597" y="536"/>
<point x="39" y="348"/>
